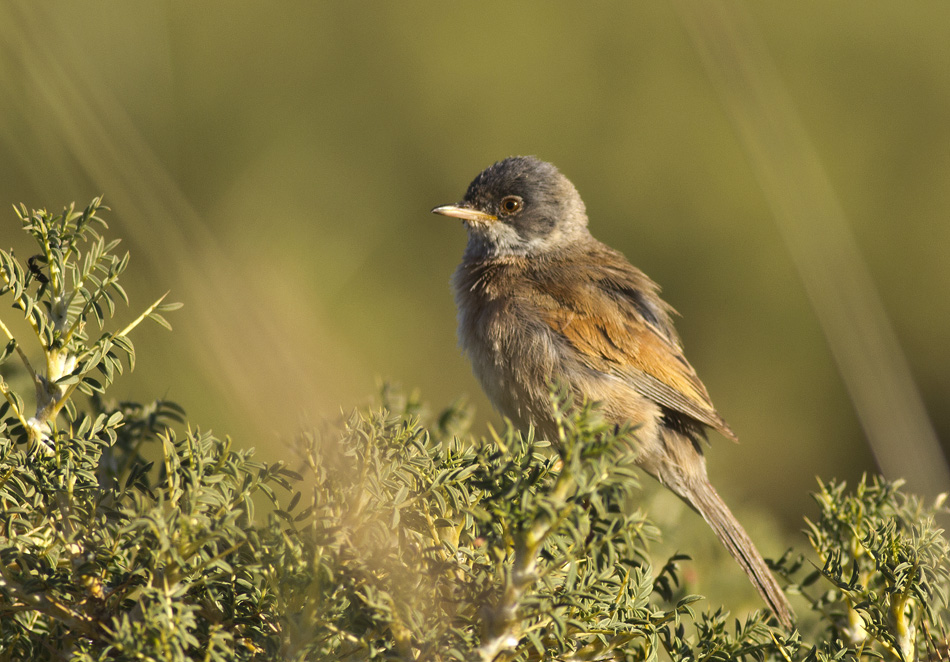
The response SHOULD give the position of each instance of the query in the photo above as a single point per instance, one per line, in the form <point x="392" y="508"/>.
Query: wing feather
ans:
<point x="622" y="328"/>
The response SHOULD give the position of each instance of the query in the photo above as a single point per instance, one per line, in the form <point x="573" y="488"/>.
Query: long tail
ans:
<point x="702" y="496"/>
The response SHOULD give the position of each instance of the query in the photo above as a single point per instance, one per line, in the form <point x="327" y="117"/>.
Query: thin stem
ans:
<point x="13" y="405"/>
<point x="138" y="320"/>
<point x="29" y="318"/>
<point x="19" y="351"/>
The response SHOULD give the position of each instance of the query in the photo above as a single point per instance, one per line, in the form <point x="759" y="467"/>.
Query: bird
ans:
<point x="540" y="299"/>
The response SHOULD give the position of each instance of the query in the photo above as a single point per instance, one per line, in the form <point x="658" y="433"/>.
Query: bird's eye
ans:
<point x="511" y="204"/>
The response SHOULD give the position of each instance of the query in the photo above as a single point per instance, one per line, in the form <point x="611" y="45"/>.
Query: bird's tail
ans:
<point x="703" y="497"/>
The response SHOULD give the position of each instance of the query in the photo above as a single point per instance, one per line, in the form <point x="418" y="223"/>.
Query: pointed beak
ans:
<point x="464" y="213"/>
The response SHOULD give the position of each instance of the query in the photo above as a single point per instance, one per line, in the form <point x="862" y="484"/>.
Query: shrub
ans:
<point x="127" y="535"/>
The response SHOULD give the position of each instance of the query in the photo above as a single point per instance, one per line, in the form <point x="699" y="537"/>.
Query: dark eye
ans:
<point x="511" y="204"/>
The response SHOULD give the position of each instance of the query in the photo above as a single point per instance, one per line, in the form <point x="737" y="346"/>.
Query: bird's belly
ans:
<point x="514" y="362"/>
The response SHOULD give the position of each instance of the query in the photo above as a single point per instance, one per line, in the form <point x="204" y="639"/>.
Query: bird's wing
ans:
<point x="614" y="318"/>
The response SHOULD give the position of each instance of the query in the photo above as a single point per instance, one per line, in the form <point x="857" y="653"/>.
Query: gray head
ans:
<point x="520" y="206"/>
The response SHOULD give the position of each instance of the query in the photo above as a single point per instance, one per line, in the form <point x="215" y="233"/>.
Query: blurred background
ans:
<point x="273" y="165"/>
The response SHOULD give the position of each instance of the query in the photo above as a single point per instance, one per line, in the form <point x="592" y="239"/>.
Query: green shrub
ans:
<point x="127" y="535"/>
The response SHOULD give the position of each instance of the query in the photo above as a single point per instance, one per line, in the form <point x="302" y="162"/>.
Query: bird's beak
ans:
<point x="464" y="213"/>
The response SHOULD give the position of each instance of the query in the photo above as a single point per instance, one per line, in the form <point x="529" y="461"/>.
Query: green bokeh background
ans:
<point x="273" y="164"/>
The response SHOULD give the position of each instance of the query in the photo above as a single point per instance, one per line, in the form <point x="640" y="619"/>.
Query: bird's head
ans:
<point x="521" y="206"/>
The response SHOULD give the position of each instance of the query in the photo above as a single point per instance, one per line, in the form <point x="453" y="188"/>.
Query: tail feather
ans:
<point x="703" y="497"/>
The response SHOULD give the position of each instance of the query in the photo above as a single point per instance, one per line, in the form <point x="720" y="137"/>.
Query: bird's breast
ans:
<point x="518" y="351"/>
<point x="514" y="354"/>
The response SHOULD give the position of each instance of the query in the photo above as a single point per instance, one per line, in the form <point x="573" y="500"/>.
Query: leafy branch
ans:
<point x="74" y="279"/>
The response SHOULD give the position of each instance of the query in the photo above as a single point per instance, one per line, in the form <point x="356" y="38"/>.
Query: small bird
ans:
<point x="540" y="300"/>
